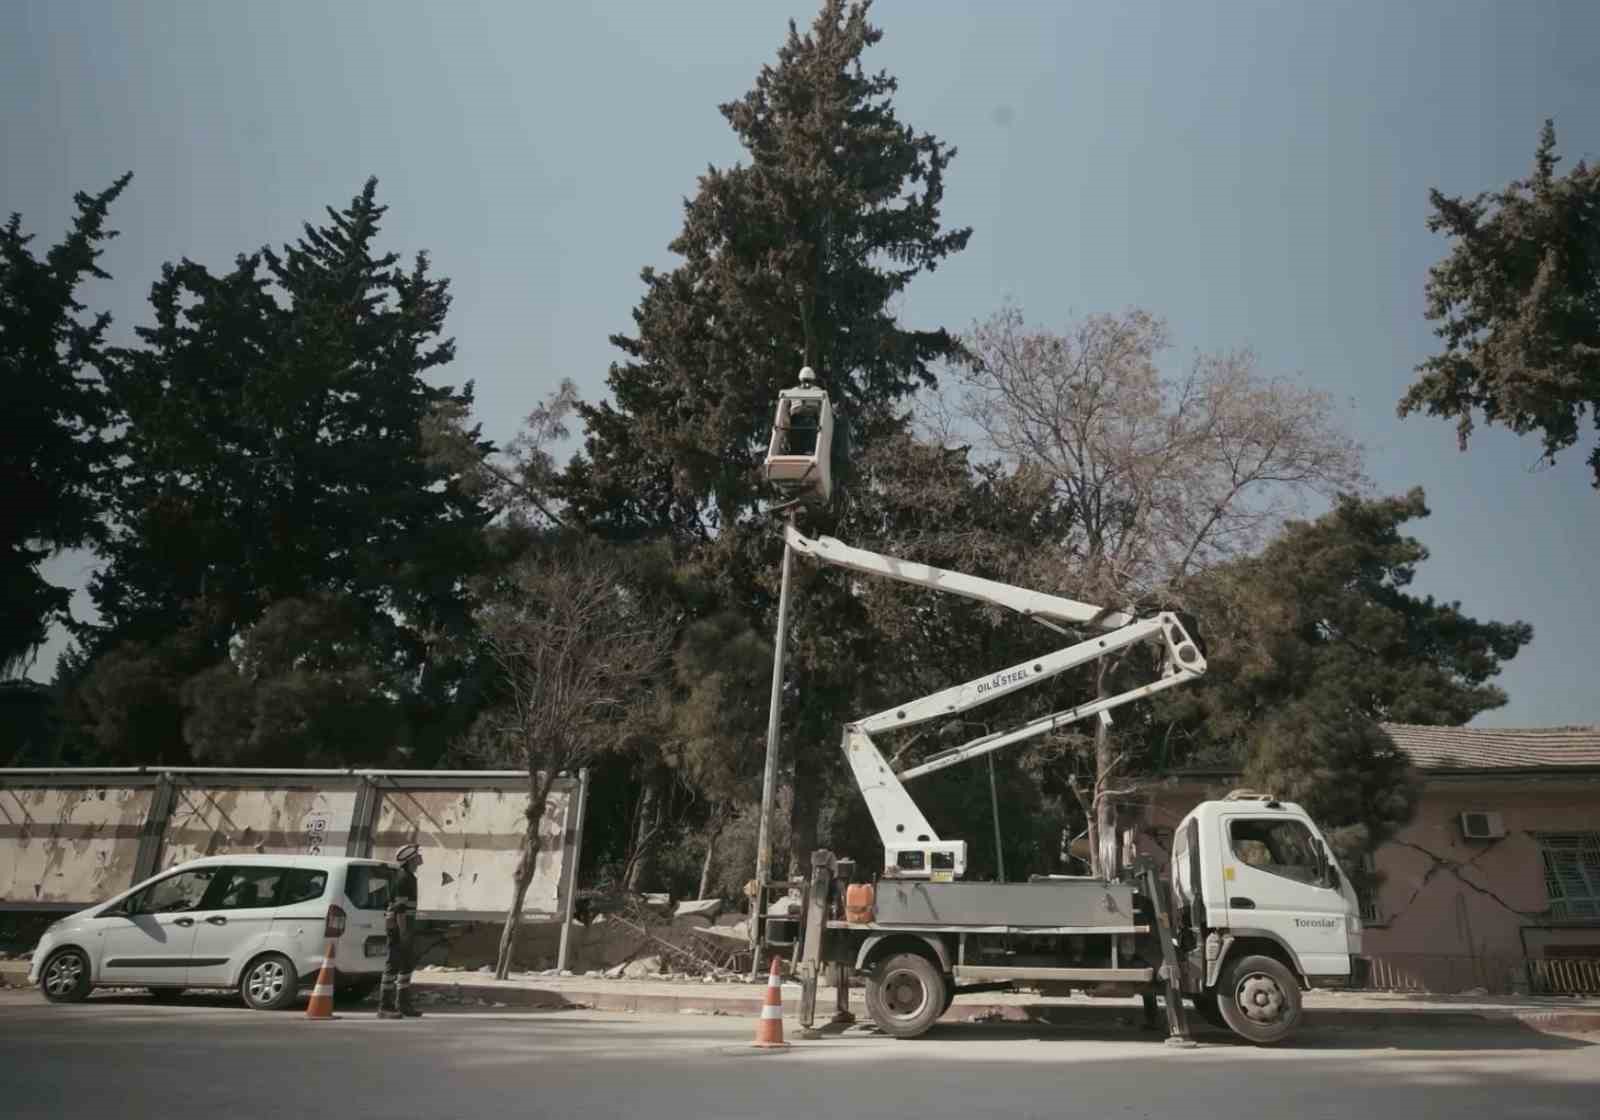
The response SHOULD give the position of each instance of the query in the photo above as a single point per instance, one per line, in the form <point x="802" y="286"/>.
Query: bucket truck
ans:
<point x="1254" y="909"/>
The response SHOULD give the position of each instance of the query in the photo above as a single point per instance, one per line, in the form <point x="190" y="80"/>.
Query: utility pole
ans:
<point x="994" y="808"/>
<point x="769" y="777"/>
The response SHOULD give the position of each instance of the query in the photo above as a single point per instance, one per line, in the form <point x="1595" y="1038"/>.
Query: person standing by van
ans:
<point x="395" y="998"/>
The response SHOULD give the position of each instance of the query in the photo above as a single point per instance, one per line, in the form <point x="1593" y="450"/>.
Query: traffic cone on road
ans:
<point x="769" y="1028"/>
<point x="321" y="1005"/>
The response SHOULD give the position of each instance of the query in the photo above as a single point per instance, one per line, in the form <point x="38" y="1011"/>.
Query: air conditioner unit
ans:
<point x="1482" y="826"/>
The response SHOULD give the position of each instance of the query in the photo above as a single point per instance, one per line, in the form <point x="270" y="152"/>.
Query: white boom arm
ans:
<point x="911" y="848"/>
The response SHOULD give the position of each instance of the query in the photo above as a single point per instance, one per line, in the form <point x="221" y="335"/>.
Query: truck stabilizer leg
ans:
<point x="1177" y="1022"/>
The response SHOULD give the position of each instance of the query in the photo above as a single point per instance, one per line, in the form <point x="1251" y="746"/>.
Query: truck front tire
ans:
<point x="906" y="994"/>
<point x="1260" y="1000"/>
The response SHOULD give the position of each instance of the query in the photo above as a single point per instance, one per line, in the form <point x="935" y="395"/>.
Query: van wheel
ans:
<point x="65" y="977"/>
<point x="1260" y="1000"/>
<point x="906" y="995"/>
<point x="269" y="983"/>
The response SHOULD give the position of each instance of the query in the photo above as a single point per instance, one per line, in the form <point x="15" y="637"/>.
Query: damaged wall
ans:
<point x="213" y="820"/>
<point x="1483" y="900"/>
<point x="471" y="842"/>
<point x="64" y="845"/>
<point x="69" y="839"/>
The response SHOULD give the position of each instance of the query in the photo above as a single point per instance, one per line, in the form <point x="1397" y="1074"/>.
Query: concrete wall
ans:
<point x="211" y="820"/>
<point x="1456" y="913"/>
<point x="64" y="845"/>
<point x="69" y="839"/>
<point x="471" y="843"/>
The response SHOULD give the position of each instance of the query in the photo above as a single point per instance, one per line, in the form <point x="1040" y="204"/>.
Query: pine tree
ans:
<point x="790" y="259"/>
<point x="1315" y="641"/>
<point x="53" y="418"/>
<point x="274" y="462"/>
<point x="1518" y="306"/>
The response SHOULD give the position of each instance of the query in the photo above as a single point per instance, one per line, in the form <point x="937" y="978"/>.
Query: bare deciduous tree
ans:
<point x="576" y="649"/>
<point x="1164" y="476"/>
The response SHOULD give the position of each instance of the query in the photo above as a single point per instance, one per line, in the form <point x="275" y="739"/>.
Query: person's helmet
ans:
<point x="407" y="853"/>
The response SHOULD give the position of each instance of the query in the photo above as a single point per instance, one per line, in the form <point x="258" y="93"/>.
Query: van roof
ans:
<point x="298" y="859"/>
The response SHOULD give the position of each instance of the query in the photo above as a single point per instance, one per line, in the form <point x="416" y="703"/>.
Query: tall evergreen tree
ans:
<point x="1315" y="641"/>
<point x="792" y="258"/>
<point x="53" y="417"/>
<point x="1518" y="306"/>
<point x="274" y="456"/>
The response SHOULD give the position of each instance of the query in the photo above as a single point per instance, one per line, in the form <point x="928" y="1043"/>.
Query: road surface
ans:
<point x="124" y="1056"/>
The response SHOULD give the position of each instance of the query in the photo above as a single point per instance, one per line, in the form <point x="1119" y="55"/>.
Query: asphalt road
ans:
<point x="126" y="1057"/>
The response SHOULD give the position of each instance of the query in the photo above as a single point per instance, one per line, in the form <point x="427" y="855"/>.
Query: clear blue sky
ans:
<point x="1256" y="172"/>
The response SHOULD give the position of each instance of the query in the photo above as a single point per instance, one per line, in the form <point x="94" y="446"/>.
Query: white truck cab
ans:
<point x="1253" y="877"/>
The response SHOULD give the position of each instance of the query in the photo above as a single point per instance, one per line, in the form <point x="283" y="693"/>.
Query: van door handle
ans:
<point x="217" y="920"/>
<point x="1239" y="902"/>
<point x="184" y="922"/>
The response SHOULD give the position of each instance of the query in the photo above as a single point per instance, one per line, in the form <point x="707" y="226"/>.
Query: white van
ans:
<point x="260" y="924"/>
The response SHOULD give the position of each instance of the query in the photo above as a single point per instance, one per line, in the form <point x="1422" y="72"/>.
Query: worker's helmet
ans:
<point x="407" y="853"/>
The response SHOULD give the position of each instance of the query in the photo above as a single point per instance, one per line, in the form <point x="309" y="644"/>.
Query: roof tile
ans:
<point x="1494" y="748"/>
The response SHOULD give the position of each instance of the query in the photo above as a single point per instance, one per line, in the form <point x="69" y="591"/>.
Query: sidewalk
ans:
<point x="1349" y="1010"/>
<point x="1363" y="1010"/>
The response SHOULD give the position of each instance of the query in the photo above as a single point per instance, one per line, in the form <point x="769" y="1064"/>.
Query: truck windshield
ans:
<point x="1281" y="847"/>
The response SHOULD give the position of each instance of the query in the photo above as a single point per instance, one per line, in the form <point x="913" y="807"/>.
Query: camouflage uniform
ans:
<point x="395" y="998"/>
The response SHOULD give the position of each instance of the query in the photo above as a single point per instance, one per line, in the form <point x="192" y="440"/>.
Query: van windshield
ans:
<point x="368" y="885"/>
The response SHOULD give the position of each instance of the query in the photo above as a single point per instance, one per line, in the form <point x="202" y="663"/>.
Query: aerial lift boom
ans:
<point x="912" y="849"/>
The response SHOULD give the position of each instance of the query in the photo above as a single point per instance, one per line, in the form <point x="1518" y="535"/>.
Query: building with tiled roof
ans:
<point x="1495" y="882"/>
<point x="1480" y="749"/>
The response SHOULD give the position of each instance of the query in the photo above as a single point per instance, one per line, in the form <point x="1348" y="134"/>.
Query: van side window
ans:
<point x="251" y="888"/>
<point x="368" y="885"/>
<point x="303" y="884"/>
<point x="175" y="893"/>
<point x="1280" y="847"/>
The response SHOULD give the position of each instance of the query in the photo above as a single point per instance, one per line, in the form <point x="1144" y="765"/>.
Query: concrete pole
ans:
<point x="769" y="777"/>
<point x="573" y="857"/>
<point x="994" y="809"/>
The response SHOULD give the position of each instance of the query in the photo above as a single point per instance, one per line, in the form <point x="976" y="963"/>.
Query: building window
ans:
<point x="1572" y="874"/>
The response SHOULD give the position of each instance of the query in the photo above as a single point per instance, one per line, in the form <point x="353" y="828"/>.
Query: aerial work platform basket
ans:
<point x="799" y="456"/>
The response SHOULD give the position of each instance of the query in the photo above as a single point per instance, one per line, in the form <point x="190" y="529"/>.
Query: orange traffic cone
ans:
<point x="769" y="1028"/>
<point x="321" y="1005"/>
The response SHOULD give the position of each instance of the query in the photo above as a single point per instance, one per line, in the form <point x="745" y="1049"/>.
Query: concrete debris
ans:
<point x="697" y="912"/>
<point x="639" y="969"/>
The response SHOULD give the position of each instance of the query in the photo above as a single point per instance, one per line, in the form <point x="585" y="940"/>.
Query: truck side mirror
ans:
<point x="1327" y="873"/>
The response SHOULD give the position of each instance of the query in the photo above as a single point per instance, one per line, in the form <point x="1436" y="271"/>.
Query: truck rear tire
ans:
<point x="1259" y="999"/>
<point x="906" y="995"/>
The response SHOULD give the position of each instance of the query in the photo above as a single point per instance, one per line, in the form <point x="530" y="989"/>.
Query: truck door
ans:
<point x="1188" y="897"/>
<point x="1274" y="883"/>
<point x="1188" y="893"/>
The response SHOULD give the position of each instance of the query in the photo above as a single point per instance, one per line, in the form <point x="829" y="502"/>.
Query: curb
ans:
<point x="1553" y="1020"/>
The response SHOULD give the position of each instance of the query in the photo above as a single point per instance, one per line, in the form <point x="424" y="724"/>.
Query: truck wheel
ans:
<point x="906" y="994"/>
<point x="1260" y="1000"/>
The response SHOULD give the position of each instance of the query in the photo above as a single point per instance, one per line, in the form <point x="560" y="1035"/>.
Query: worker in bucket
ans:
<point x="395" y="998"/>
